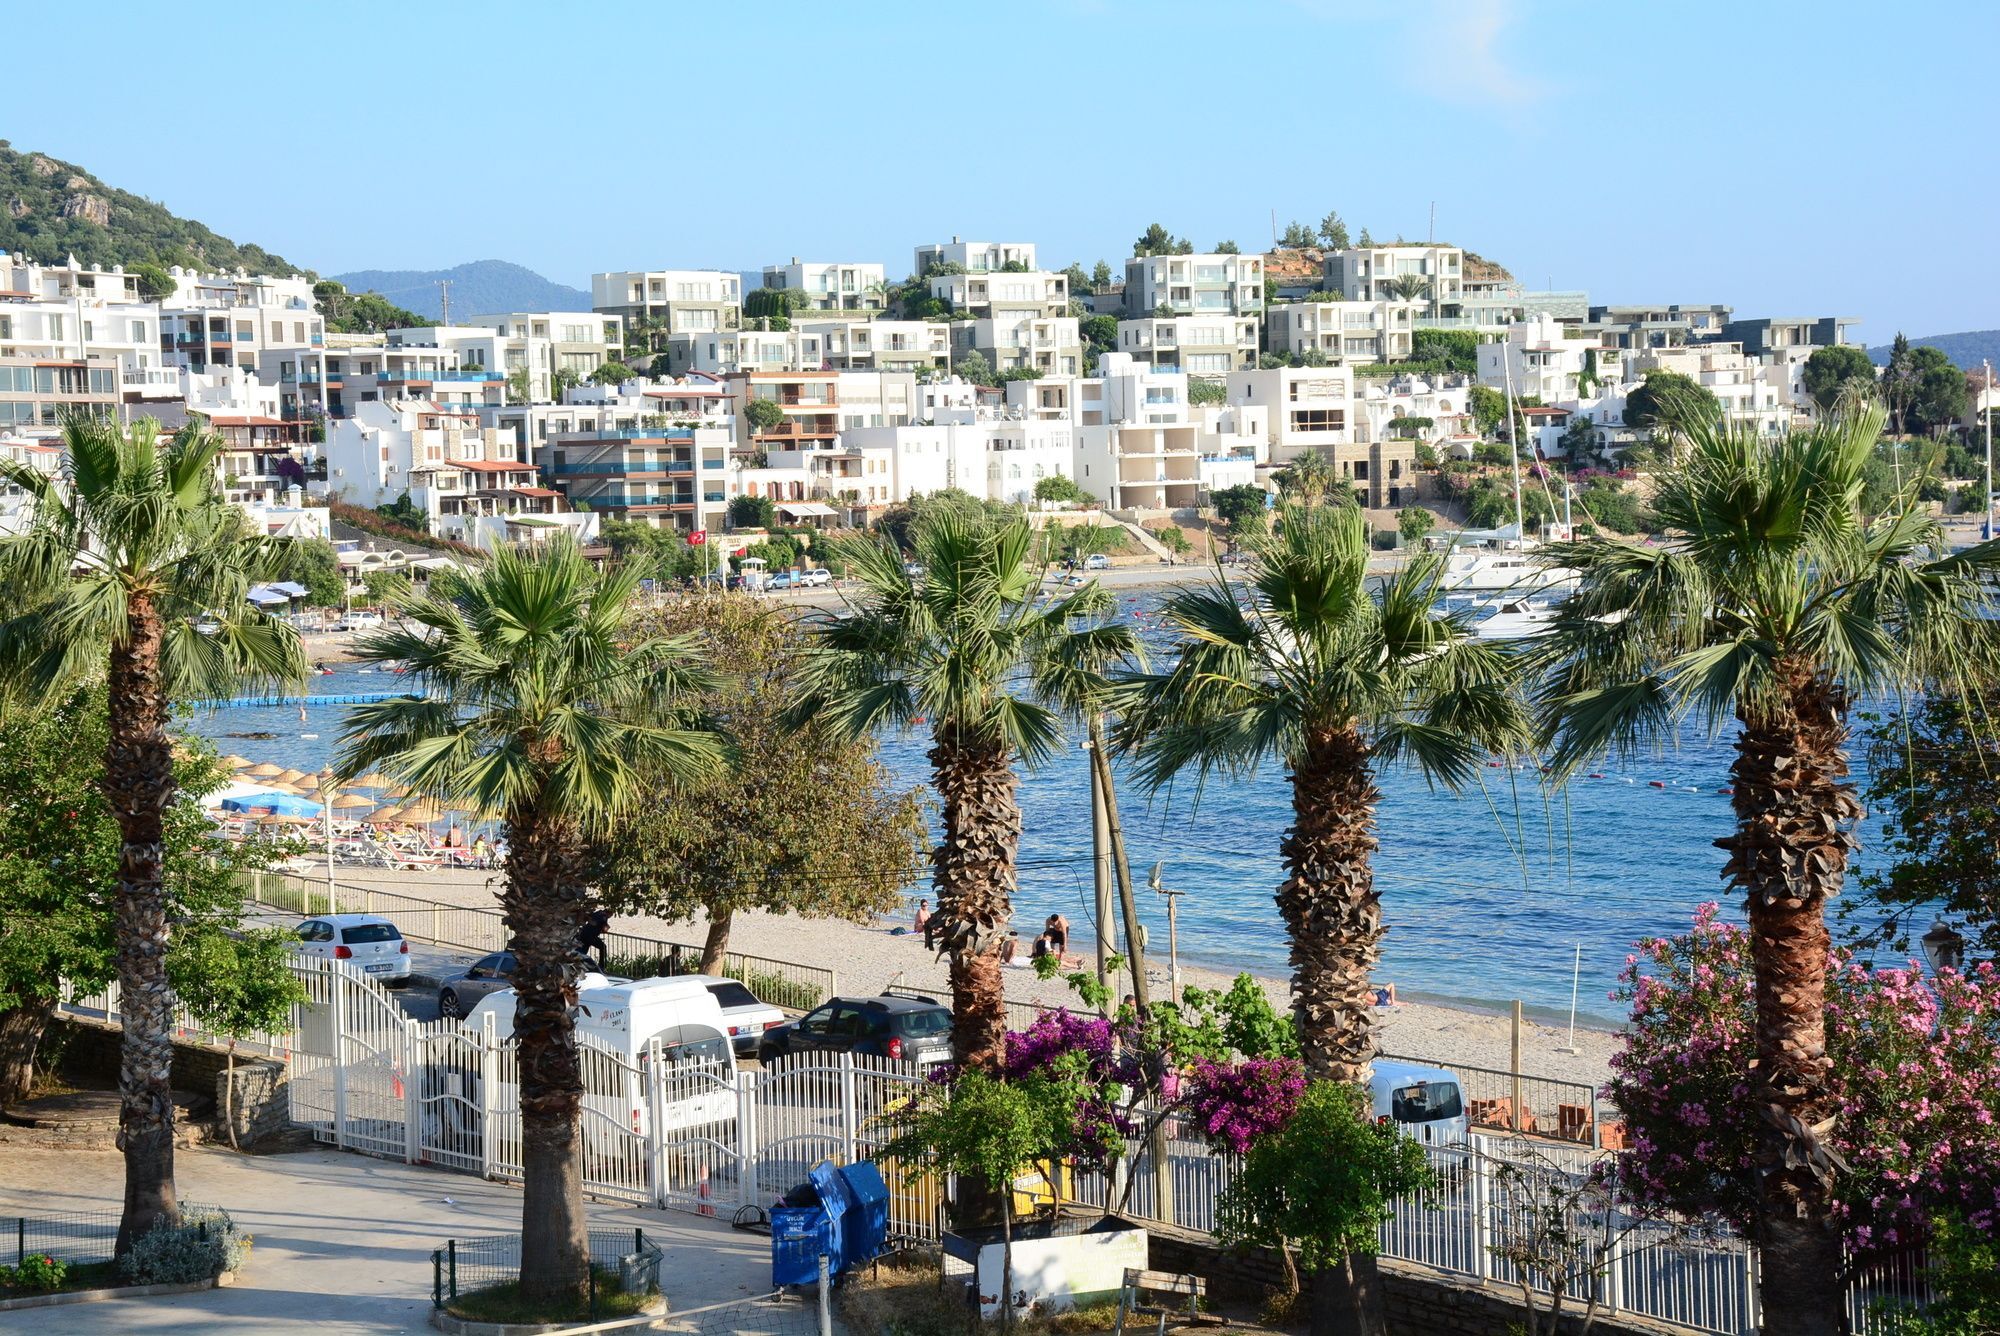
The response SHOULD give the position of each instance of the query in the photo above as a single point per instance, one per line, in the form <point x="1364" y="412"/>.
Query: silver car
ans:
<point x="459" y="993"/>
<point x="367" y="941"/>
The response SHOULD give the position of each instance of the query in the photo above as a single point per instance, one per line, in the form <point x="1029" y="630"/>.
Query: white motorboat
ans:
<point x="1517" y="619"/>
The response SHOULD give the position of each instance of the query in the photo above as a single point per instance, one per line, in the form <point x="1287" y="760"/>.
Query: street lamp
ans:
<point x="1943" y="947"/>
<point x="1173" y="931"/>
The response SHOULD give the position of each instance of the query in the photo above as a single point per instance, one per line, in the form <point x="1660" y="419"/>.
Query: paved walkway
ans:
<point x="343" y="1241"/>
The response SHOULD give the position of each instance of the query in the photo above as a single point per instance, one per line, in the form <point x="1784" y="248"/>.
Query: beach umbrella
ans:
<point x="292" y="776"/>
<point x="266" y="770"/>
<point x="375" y="779"/>
<point x="235" y="762"/>
<point x="352" y="800"/>
<point x="422" y="811"/>
<point x="277" y="804"/>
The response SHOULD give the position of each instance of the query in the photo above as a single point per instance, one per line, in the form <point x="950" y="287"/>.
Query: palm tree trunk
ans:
<point x="1333" y="915"/>
<point x="1794" y="817"/>
<point x="545" y="909"/>
<point x="715" y="946"/>
<point x="973" y="876"/>
<point x="139" y="783"/>
<point x="1331" y="908"/>
<point x="21" y="1031"/>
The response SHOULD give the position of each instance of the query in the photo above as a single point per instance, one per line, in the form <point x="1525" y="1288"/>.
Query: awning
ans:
<point x="265" y="598"/>
<point x="805" y="509"/>
<point x="291" y="588"/>
<point x="278" y="804"/>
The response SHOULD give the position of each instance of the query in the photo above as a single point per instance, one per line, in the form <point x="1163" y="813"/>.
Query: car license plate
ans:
<point x="379" y="969"/>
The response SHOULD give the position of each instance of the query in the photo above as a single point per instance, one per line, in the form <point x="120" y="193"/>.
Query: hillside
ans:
<point x="1967" y="349"/>
<point x="484" y="287"/>
<point x="54" y="209"/>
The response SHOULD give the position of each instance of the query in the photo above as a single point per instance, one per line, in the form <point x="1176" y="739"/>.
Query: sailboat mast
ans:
<point x="1513" y="440"/>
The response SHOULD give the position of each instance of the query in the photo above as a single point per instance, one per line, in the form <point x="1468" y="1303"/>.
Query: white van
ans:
<point x="626" y="1016"/>
<point x="1424" y="1102"/>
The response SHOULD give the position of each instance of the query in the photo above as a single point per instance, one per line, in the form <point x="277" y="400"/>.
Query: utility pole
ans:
<point x="444" y="288"/>
<point x="1986" y="411"/>
<point x="1173" y="932"/>
<point x="1100" y="848"/>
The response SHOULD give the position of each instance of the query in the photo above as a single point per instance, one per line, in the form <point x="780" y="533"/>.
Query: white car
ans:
<point x="818" y="575"/>
<point x="748" y="1018"/>
<point x="1097" y="561"/>
<point x="359" y="621"/>
<point x="367" y="941"/>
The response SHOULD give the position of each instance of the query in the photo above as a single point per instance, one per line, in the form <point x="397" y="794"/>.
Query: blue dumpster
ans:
<point x="800" y="1235"/>
<point x="866" y="1229"/>
<point x="841" y="1213"/>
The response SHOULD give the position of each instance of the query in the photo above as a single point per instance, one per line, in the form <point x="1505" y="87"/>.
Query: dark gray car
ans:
<point x="461" y="992"/>
<point x="909" y="1029"/>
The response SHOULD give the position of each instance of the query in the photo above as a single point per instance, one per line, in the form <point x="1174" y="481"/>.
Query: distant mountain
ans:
<point x="1968" y="349"/>
<point x="484" y="287"/>
<point x="52" y="210"/>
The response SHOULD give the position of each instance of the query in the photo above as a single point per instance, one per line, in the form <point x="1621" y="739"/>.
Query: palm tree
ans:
<point x="1410" y="287"/>
<point x="539" y="705"/>
<point x="965" y="650"/>
<point x="1309" y="478"/>
<point x="1331" y="678"/>
<point x="132" y="562"/>
<point x="1775" y="604"/>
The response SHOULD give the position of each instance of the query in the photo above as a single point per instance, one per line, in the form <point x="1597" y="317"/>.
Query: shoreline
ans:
<point x="868" y="957"/>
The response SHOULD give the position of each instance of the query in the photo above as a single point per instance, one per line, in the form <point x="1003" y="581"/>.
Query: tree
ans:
<point x="1489" y="409"/>
<point x="1099" y="331"/>
<point x="968" y="650"/>
<point x="974" y="367"/>
<point x="1227" y="248"/>
<point x="1898" y="381"/>
<point x="804" y="821"/>
<point x="1773" y="603"/>
<point x="1174" y="539"/>
<point x="1100" y="275"/>
<point x="59" y="849"/>
<point x="612" y="372"/>
<point x="361" y="312"/>
<point x="752" y="512"/>
<point x="1931" y="768"/>
<point x="1672" y="403"/>
<point x="1156" y="240"/>
<point x="1207" y="392"/>
<point x="1326" y="1180"/>
<point x="1330" y="677"/>
<point x="1937" y="395"/>
<point x="405" y="512"/>
<point x="1060" y="487"/>
<point x="311" y="562"/>
<point x="1413" y="522"/>
<point x="1366" y="241"/>
<point x="1333" y="232"/>
<point x="1828" y="370"/>
<point x="537" y="701"/>
<point x="563" y="381"/>
<point x="1241" y="506"/>
<point x="775" y="305"/>
<point x="520" y="386"/>
<point x="388" y="589"/>
<point x="766" y="415"/>
<point x="1452" y="350"/>
<point x="154" y="282"/>
<point x="1410" y="287"/>
<point x="1297" y="236"/>
<point x="113" y="570"/>
<point x="1308" y="477"/>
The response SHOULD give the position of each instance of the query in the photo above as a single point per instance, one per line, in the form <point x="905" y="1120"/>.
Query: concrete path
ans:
<point x="343" y="1241"/>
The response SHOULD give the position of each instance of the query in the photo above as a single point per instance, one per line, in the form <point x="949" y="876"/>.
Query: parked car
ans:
<point x="817" y="577"/>
<point x="748" y="1018"/>
<point x="358" y="621"/>
<point x="914" y="1029"/>
<point x="1423" y="1102"/>
<point x="367" y="940"/>
<point x="783" y="580"/>
<point x="1097" y="561"/>
<point x="461" y="992"/>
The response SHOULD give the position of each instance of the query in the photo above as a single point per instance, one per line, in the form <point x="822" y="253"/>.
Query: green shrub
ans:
<point x="202" y="1246"/>
<point x="37" y="1274"/>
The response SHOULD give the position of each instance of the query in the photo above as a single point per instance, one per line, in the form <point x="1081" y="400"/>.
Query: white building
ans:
<point x="1380" y="273"/>
<point x="726" y="352"/>
<point x="73" y="313"/>
<point x="645" y="452"/>
<point x="1201" y="345"/>
<point x="453" y="366"/>
<point x="1141" y="446"/>
<point x="976" y="257"/>
<point x="1545" y="363"/>
<point x="1194" y="285"/>
<point x="547" y="342"/>
<point x="1315" y="408"/>
<point x="1052" y="345"/>
<point x="833" y="286"/>
<point x="1345" y="332"/>
<point x="658" y="304"/>
<point x="1003" y="294"/>
<point x="879" y="345"/>
<point x="235" y="319"/>
<point x="470" y="481"/>
<point x="1767" y="395"/>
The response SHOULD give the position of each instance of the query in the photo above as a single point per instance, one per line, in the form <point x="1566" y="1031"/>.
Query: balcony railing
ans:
<point x="392" y="377"/>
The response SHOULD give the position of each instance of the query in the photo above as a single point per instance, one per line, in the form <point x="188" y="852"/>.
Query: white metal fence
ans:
<point x="698" y="1136"/>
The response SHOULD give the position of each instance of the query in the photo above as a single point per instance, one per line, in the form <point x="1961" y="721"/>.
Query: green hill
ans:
<point x="1968" y="349"/>
<point x="52" y="210"/>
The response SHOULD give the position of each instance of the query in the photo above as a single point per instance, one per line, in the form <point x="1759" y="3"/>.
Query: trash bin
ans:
<point x="866" y="1229"/>
<point x="639" y="1272"/>
<point x="800" y="1235"/>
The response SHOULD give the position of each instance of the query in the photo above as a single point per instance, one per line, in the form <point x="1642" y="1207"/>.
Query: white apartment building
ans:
<point x="650" y="453"/>
<point x="470" y="481"/>
<point x="235" y="319"/>
<point x="990" y="455"/>
<point x="1141" y="445"/>
<point x="1767" y="395"/>
<point x="1052" y="345"/>
<point x="831" y="287"/>
<point x="1201" y="345"/>
<point x="453" y="366"/>
<point x="879" y="345"/>
<point x="1003" y="294"/>
<point x="976" y="257"/>
<point x="76" y="314"/>
<point x="1344" y="332"/>
<point x="726" y="352"/>
<point x="578" y="342"/>
<point x="1375" y="273"/>
<point x="657" y="304"/>
<point x="1315" y="408"/>
<point x="1194" y="285"/>
<point x="1545" y="363"/>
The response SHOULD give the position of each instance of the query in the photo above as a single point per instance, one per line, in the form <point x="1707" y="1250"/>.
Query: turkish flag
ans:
<point x="697" y="538"/>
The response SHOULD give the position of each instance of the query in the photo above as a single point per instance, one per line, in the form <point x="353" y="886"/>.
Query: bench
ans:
<point x="1138" y="1283"/>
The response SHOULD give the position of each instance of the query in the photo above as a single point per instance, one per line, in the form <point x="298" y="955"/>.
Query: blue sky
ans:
<point x="1789" y="158"/>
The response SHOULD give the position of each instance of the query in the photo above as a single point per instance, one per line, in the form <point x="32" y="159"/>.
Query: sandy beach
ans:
<point x="868" y="958"/>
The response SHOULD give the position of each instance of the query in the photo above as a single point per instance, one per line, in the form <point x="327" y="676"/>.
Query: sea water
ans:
<point x="1487" y="893"/>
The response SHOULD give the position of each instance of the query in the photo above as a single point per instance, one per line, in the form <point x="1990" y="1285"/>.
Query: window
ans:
<point x="138" y="331"/>
<point x="245" y="330"/>
<point x="55" y="327"/>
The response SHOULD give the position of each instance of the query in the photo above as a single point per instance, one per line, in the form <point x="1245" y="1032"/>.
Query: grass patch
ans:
<point x="503" y="1303"/>
<point x="77" y="1276"/>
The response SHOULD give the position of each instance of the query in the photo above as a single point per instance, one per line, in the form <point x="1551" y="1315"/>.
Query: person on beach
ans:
<point x="454" y="838"/>
<point x="1056" y="929"/>
<point x="480" y="850"/>
<point x="1042" y="947"/>
<point x="1010" y="949"/>
<point x="590" y="937"/>
<point x="1385" y="996"/>
<point x="923" y="915"/>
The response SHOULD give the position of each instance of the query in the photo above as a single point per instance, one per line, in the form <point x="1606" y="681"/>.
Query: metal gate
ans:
<point x="352" y="1062"/>
<point x="809" y="1107"/>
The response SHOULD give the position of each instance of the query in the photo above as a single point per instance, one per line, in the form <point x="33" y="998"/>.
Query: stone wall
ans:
<point x="259" y="1101"/>
<point x="1418" y="1299"/>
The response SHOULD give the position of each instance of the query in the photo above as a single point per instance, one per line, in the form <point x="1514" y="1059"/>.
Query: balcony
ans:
<point x="403" y="376"/>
